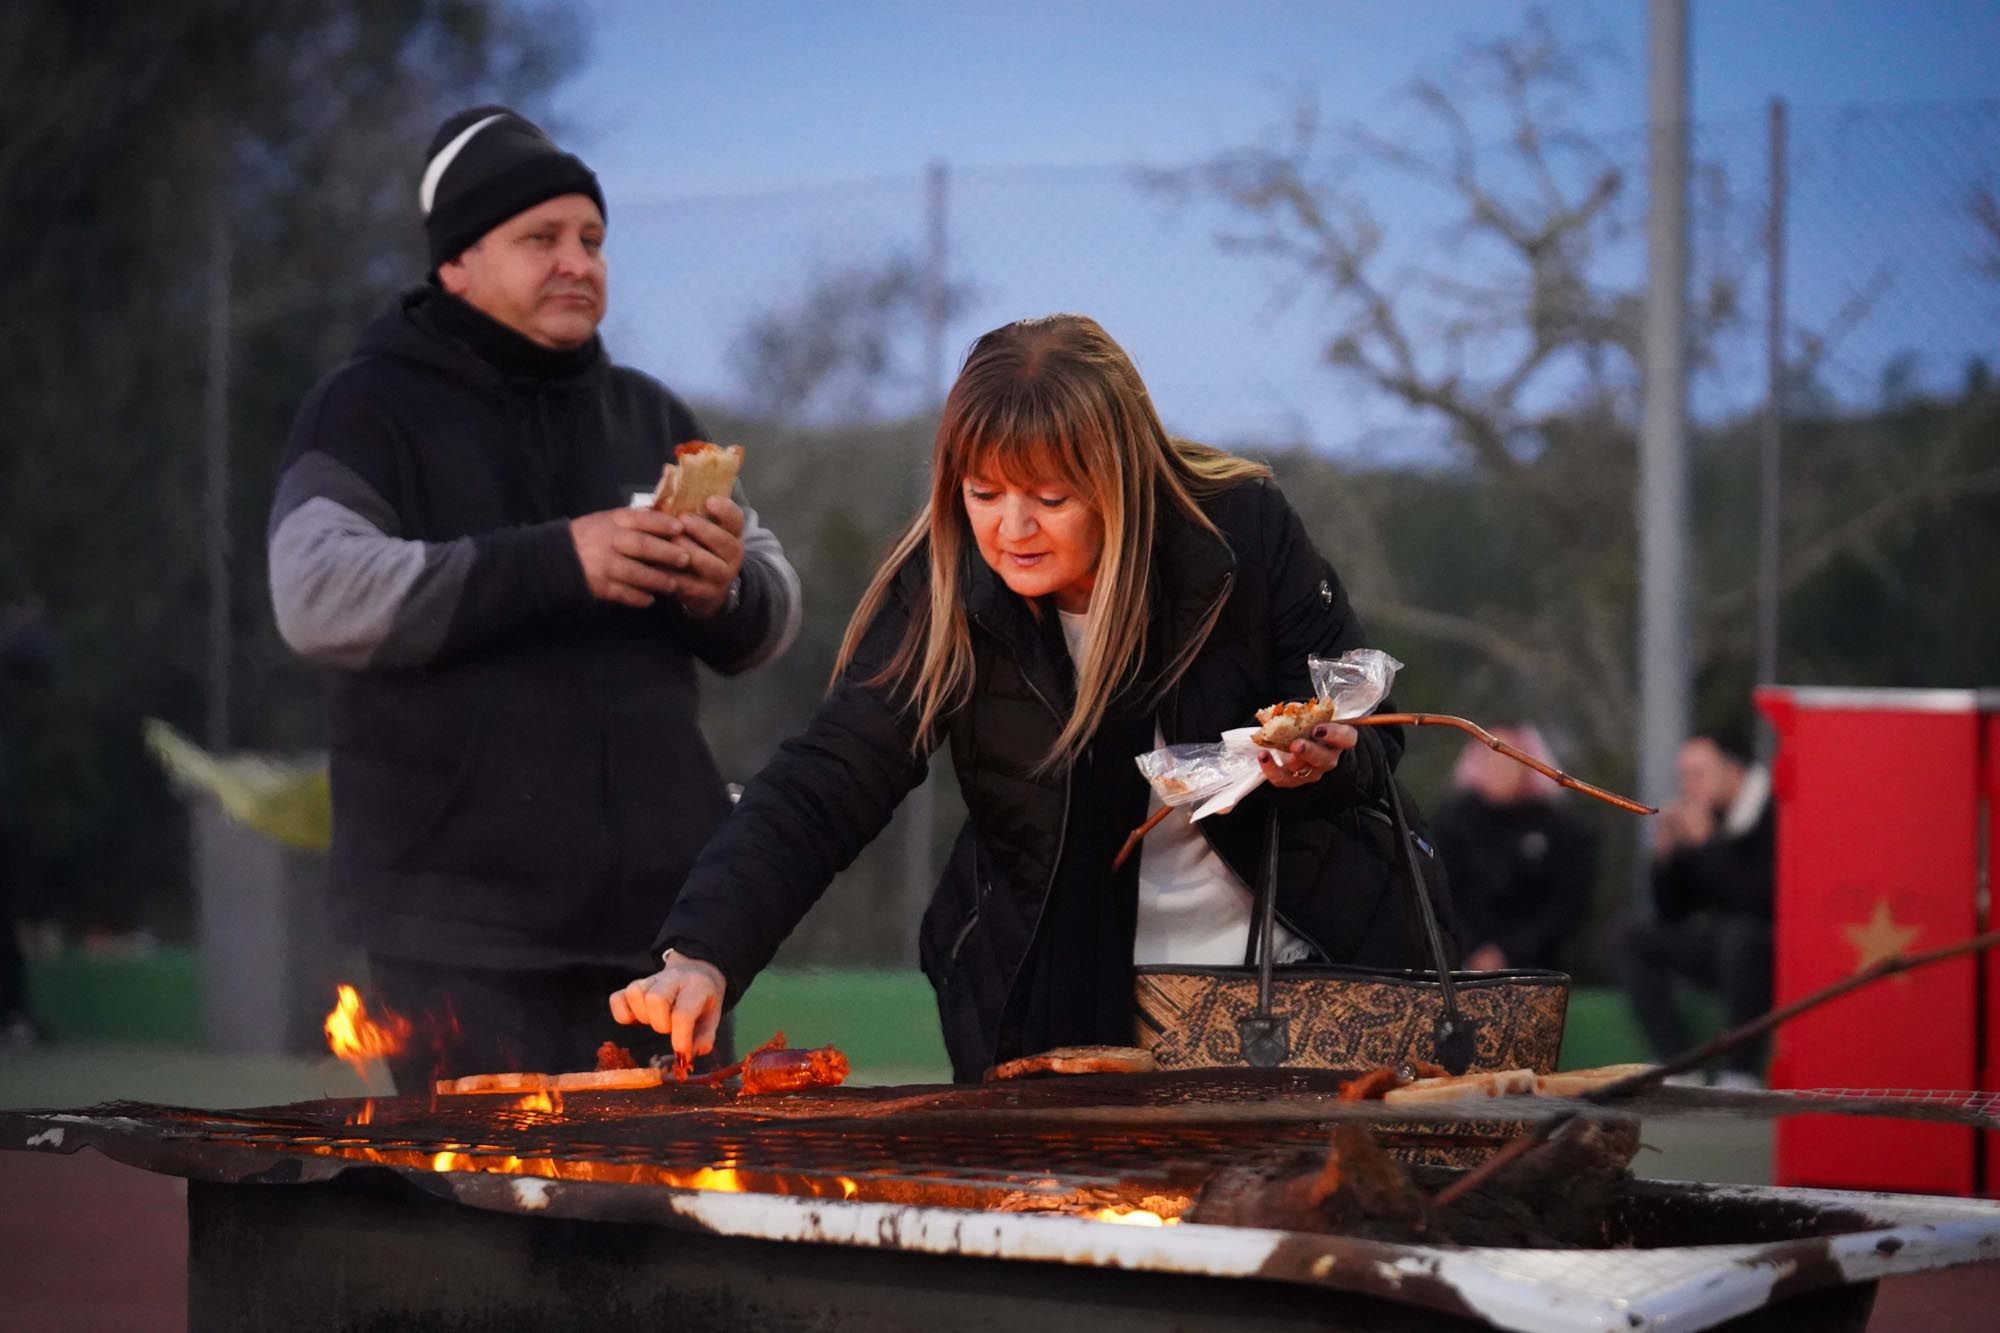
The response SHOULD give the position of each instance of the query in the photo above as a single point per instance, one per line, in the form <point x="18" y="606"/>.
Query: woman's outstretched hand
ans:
<point x="682" y="1000"/>
<point x="1308" y="760"/>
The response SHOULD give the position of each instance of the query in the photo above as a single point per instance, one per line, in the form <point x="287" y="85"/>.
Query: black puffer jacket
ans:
<point x="832" y="789"/>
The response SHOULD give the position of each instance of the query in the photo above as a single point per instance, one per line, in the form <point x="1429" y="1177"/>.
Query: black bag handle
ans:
<point x="1454" y="1037"/>
<point x="1265" y="1037"/>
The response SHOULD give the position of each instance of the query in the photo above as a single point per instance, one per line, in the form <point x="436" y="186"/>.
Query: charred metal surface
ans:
<point x="862" y="1193"/>
<point x="965" y="1145"/>
<point x="1390" y="1271"/>
<point x="1653" y="1214"/>
<point x="369" y="1252"/>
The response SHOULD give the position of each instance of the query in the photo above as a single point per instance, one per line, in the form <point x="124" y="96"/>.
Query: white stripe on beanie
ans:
<point x="427" y="192"/>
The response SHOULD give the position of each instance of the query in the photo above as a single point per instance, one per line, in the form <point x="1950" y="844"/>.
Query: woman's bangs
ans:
<point x="1027" y="463"/>
<point x="1027" y="453"/>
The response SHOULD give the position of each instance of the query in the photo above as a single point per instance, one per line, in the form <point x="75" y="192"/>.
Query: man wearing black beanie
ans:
<point x="519" y="784"/>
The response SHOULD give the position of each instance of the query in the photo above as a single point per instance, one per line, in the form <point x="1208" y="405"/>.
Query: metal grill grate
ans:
<point x="960" y="1145"/>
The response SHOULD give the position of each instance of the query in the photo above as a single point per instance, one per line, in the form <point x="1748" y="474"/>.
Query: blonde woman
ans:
<point x="1079" y="589"/>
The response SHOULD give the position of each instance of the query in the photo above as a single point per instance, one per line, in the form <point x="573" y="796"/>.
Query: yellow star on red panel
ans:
<point x="1880" y="938"/>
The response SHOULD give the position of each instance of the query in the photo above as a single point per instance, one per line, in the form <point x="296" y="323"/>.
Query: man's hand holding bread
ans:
<point x="687" y="545"/>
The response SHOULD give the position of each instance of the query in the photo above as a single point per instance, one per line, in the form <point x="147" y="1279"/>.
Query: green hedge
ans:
<point x="148" y="1000"/>
<point x="884" y="1019"/>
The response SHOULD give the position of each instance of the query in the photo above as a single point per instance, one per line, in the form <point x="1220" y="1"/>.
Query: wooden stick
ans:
<point x="1708" y="1050"/>
<point x="1138" y="835"/>
<point x="715" y="1076"/>
<point x="1549" y="771"/>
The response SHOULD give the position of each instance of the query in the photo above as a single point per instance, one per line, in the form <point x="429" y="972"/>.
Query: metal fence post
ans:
<point x="1772" y="444"/>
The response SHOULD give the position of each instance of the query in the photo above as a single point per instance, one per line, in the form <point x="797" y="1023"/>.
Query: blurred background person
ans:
<point x="1714" y="857"/>
<point x="26" y="660"/>
<point x="1520" y="861"/>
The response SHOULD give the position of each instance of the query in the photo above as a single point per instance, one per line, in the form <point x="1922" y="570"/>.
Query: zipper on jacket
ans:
<point x="1069" y="779"/>
<point x="978" y="910"/>
<point x="1062" y="834"/>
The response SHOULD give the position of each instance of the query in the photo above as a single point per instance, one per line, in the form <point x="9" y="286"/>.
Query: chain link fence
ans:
<point x="831" y="321"/>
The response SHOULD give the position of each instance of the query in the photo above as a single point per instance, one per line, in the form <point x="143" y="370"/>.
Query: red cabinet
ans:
<point x="1883" y="799"/>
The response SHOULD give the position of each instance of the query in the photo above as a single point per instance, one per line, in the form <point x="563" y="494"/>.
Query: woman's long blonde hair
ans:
<point x="1046" y="398"/>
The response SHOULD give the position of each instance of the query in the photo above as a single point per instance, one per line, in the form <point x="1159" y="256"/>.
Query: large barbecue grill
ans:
<point x="946" y="1207"/>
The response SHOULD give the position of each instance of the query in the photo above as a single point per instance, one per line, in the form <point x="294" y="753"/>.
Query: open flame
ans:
<point x="722" y="1178"/>
<point x="548" y="1103"/>
<point x="358" y="1039"/>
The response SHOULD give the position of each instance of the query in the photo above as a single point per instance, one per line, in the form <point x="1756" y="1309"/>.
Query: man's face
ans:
<point x="541" y="272"/>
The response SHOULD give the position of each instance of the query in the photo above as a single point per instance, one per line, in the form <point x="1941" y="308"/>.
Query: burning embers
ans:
<point x="1250" y="1148"/>
<point x="1125" y="1207"/>
<point x="724" y="1176"/>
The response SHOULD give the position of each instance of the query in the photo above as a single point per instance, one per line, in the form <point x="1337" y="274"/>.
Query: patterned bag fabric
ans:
<point x="1334" y="1017"/>
<point x="1350" y="1017"/>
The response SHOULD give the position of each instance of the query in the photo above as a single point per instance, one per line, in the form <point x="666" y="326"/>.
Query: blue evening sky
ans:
<point x="684" y="98"/>
<point x="749" y="149"/>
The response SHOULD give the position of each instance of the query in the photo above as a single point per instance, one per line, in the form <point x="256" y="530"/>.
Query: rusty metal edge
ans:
<point x="1516" y="1289"/>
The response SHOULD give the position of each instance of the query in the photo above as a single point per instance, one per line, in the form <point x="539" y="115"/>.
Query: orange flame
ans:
<point x="721" y="1178"/>
<point x="1133" y="1217"/>
<point x="358" y="1039"/>
<point x="549" y="1103"/>
<point x="365" y="1116"/>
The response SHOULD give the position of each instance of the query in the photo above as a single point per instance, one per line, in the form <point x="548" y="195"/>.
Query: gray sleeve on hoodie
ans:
<point x="347" y="591"/>
<point x="767" y="615"/>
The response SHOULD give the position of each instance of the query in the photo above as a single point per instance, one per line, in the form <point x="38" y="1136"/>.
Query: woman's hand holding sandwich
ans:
<point x="1309" y="758"/>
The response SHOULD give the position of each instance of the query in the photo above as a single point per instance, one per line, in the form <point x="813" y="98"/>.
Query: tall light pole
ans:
<point x="1665" y="657"/>
<point x="920" y="809"/>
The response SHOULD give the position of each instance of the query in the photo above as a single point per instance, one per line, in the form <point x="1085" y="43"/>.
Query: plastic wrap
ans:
<point x="1218" y="774"/>
<point x="1184" y="774"/>
<point x="1356" y="682"/>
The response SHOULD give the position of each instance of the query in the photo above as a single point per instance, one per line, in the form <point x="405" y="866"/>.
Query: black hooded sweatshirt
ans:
<point x="518" y="779"/>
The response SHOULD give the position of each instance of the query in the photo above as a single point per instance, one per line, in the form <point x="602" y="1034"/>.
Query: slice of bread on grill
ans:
<point x="1077" y="1060"/>
<point x="1576" y="1082"/>
<point x="592" y="1080"/>
<point x="1466" y="1087"/>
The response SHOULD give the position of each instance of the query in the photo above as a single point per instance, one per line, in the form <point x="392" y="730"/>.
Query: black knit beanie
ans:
<point x="485" y="165"/>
